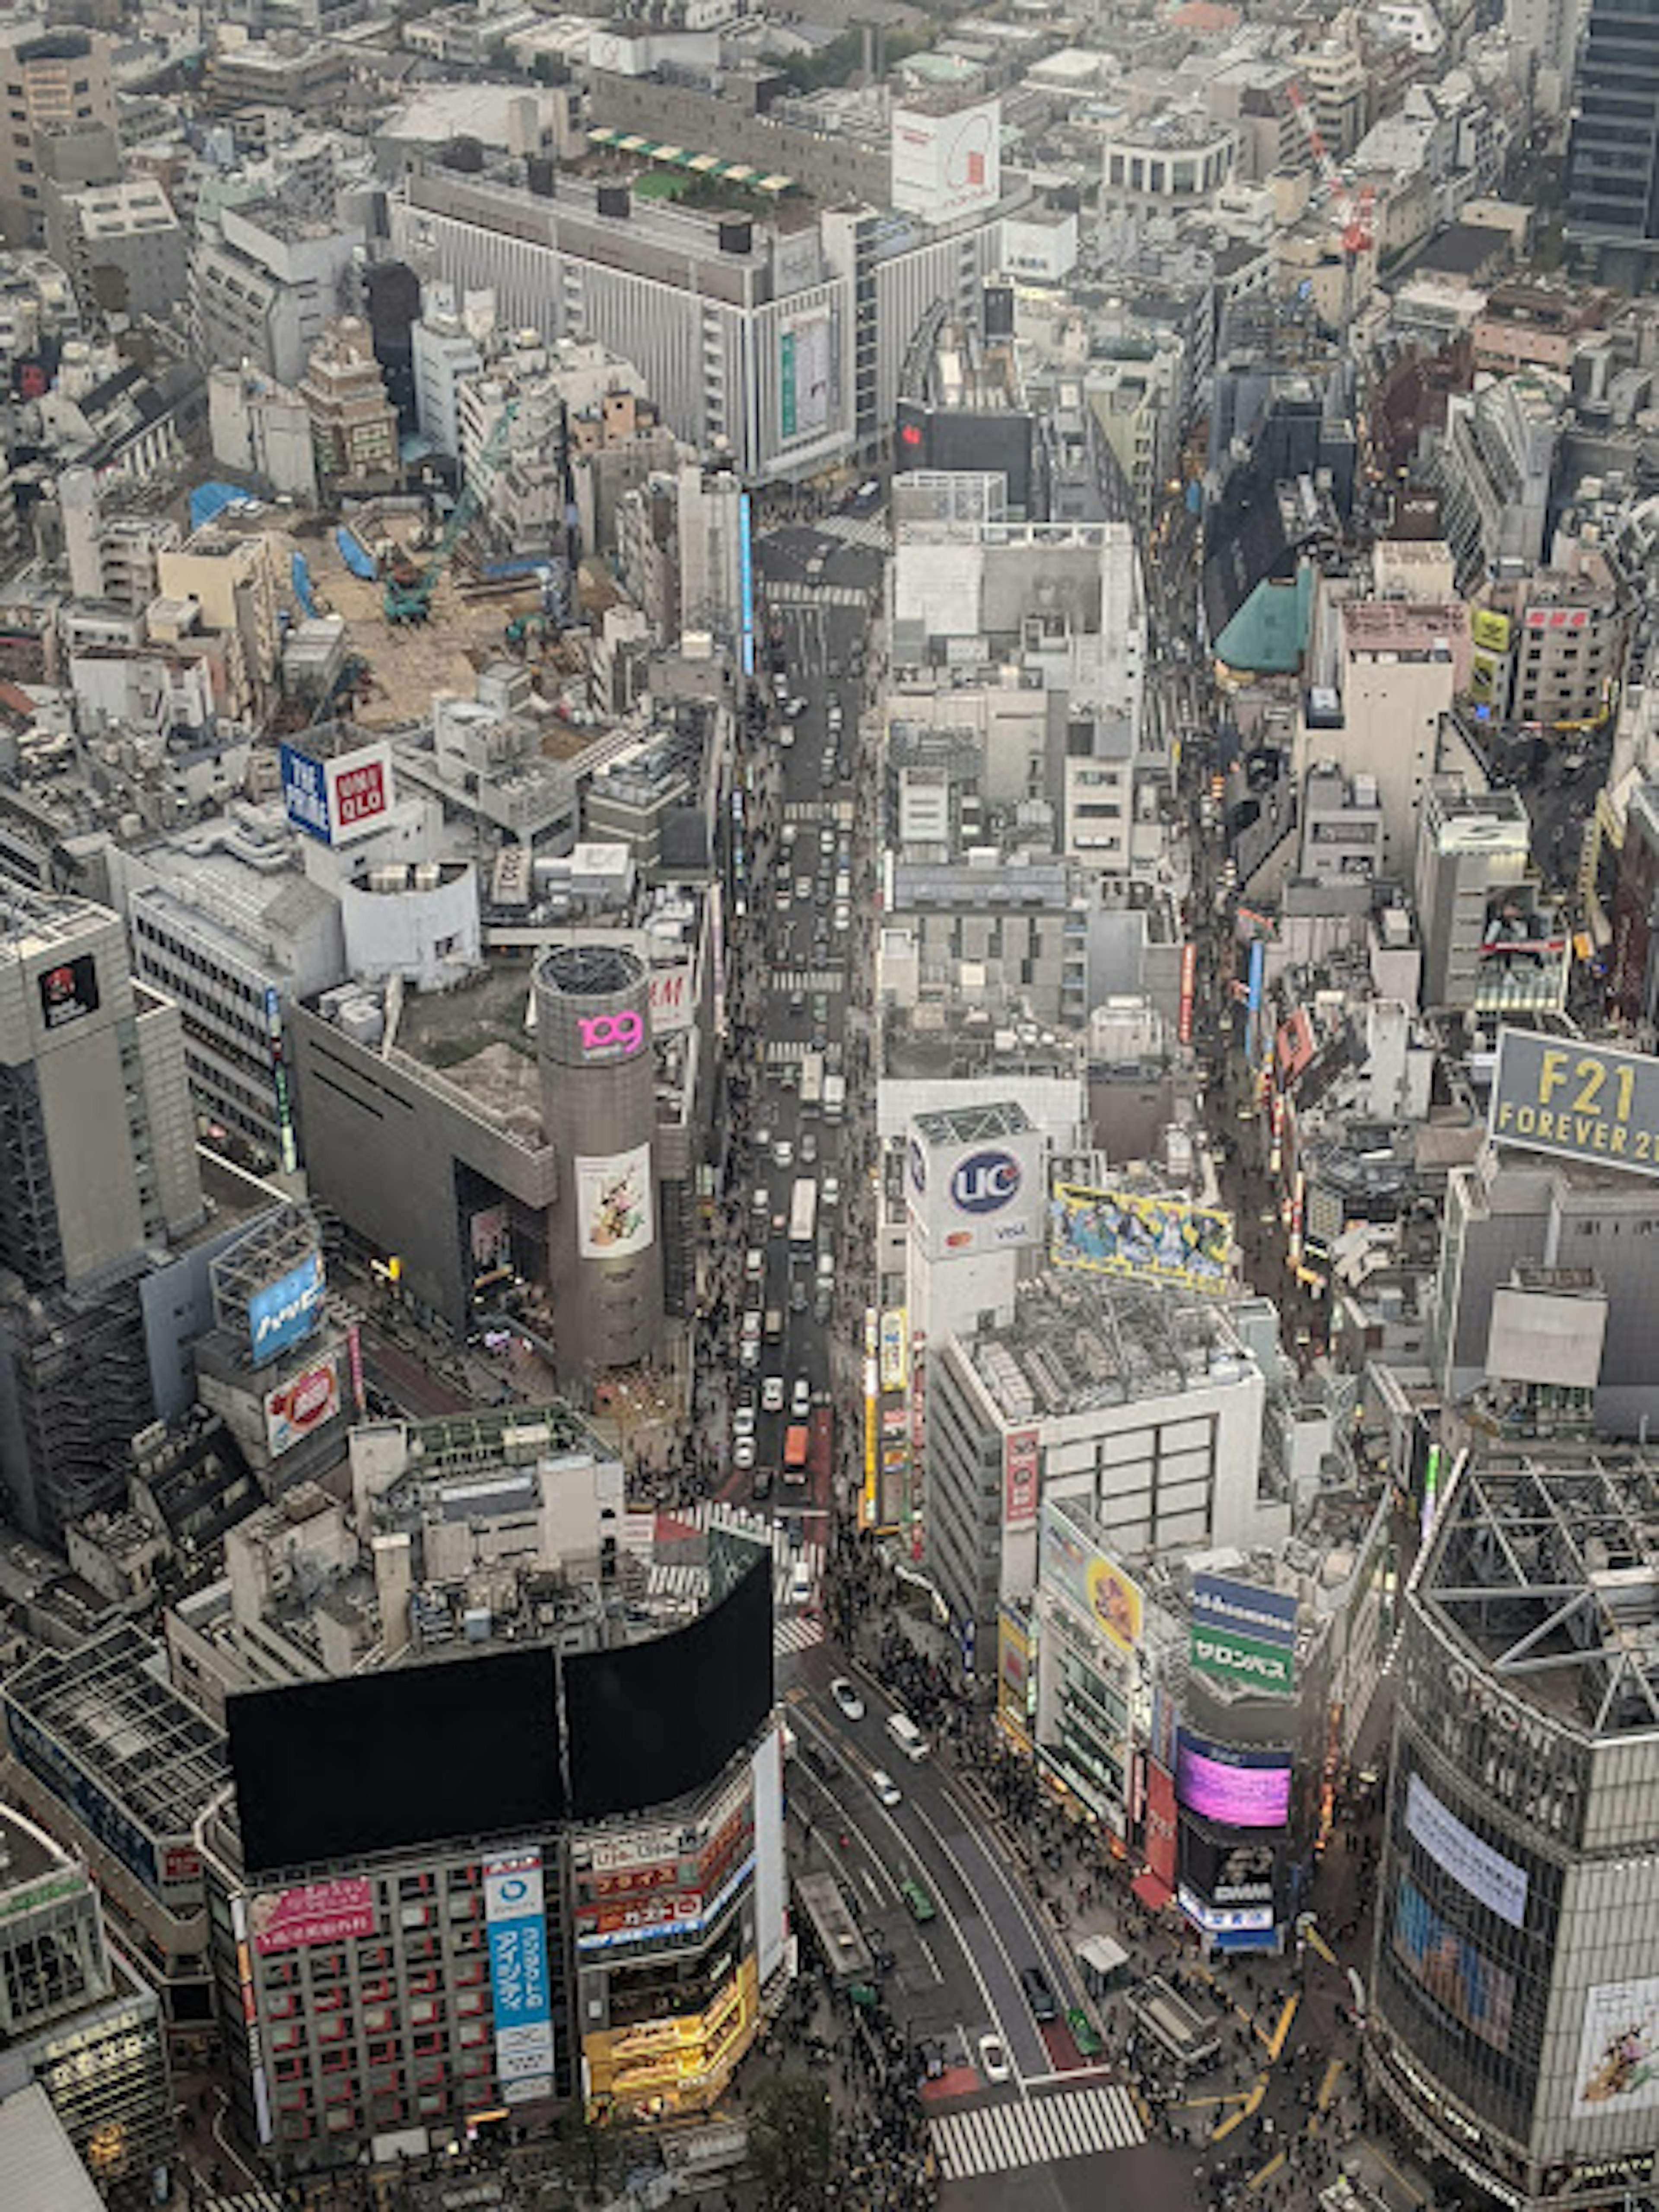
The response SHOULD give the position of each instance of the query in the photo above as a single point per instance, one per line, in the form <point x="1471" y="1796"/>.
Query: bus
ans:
<point x="794" y="1452"/>
<point x="804" y="1215"/>
<point x="811" y="1082"/>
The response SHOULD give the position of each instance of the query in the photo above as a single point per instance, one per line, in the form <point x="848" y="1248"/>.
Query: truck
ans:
<point x="835" y="1097"/>
<point x="794" y="1452"/>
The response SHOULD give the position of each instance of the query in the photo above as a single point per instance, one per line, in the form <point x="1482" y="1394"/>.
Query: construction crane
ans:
<point x="407" y="597"/>
<point x="1354" y="210"/>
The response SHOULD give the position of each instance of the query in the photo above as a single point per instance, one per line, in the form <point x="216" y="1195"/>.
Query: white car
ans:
<point x="743" y="1421"/>
<point x="993" y="2058"/>
<point x="754" y="1263"/>
<point x="846" y="1695"/>
<point x="783" y="1153"/>
<point x="743" y="1454"/>
<point x="800" y="1398"/>
<point x="885" y="1786"/>
<point x="772" y="1394"/>
<point x="830" y="1191"/>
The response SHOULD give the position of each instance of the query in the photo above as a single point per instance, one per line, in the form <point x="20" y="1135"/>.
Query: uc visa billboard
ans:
<point x="1116" y="1232"/>
<point x="968" y="1198"/>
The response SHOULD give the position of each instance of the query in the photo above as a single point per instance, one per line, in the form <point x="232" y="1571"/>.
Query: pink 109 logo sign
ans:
<point x="610" y="1036"/>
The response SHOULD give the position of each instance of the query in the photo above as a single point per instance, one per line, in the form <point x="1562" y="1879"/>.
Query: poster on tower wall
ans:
<point x="1618" y="2069"/>
<point x="615" y="1210"/>
<point x="804" y="375"/>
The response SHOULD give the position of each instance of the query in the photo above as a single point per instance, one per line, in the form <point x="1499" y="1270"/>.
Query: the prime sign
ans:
<point x="1581" y="1101"/>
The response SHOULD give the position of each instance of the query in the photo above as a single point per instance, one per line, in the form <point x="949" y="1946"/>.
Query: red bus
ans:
<point x="794" y="1452"/>
<point x="823" y="1425"/>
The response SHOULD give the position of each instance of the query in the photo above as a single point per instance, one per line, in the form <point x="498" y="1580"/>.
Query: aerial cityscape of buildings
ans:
<point x="830" y="1106"/>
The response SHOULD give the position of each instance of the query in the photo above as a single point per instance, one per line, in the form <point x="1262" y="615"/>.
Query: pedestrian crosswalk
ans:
<point x="797" y="1632"/>
<point x="809" y="978"/>
<point x="262" y="2199"/>
<point x="858" y="530"/>
<point x="787" y="1549"/>
<point x="1036" y="2131"/>
<point x="804" y="810"/>
<point x="784" y="1052"/>
<point x="783" y="594"/>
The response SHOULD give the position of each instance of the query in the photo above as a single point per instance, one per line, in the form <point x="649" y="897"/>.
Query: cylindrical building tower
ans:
<point x="598" y="1110"/>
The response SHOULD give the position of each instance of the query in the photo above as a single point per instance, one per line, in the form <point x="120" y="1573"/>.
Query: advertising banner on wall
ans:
<point x="1095" y="1584"/>
<point x="895" y="1338"/>
<point x="1241" y="1633"/>
<point x="297" y="1408"/>
<point x="515" y="1928"/>
<point x="804" y="375"/>
<point x="746" y="582"/>
<point x="1618" y="2069"/>
<point x="315" y="1913"/>
<point x="337" y="800"/>
<point x="947" y="165"/>
<point x="616" y="1214"/>
<point x="673" y="997"/>
<point x="1451" y="1969"/>
<point x="1498" y="1882"/>
<point x="285" y="1312"/>
<point x="1114" y="1232"/>
<point x="1228" y="1657"/>
<point x="1021" y="1462"/>
<point x="1236" y="1788"/>
<point x="1581" y="1101"/>
<point x="1161" y="1823"/>
<point x="69" y="991"/>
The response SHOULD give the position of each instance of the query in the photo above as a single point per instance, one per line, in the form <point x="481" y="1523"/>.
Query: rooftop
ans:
<point x="1549" y="1571"/>
<point x="1077" y="1344"/>
<point x="129" y="1728"/>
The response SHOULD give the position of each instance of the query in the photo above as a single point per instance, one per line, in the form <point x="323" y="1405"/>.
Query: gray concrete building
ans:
<point x="98" y="1168"/>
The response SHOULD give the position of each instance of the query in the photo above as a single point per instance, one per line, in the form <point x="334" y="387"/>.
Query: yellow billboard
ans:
<point x="1116" y="1232"/>
<point x="1488" y="630"/>
<point x="674" y="2064"/>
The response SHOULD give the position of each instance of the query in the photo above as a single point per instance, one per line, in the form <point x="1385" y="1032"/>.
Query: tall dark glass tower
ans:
<point x="1612" y="169"/>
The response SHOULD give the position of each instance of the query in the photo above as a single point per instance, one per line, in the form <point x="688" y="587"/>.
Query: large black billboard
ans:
<point x="648" y="1721"/>
<point x="471" y="1746"/>
<point x="376" y="1762"/>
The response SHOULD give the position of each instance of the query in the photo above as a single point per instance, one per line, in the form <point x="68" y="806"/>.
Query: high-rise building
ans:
<point x="1613" y="165"/>
<point x="1515" y="1988"/>
<point x="98" y="1167"/>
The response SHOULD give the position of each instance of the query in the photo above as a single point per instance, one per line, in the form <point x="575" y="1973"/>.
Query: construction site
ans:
<point x="469" y="618"/>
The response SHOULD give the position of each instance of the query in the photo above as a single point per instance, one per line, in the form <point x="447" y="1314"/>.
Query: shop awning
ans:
<point x="1151" y="1889"/>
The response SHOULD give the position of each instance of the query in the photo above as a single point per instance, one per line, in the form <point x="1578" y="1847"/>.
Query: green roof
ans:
<point x="1268" y="635"/>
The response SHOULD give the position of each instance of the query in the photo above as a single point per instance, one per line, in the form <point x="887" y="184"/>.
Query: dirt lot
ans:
<point x="411" y="661"/>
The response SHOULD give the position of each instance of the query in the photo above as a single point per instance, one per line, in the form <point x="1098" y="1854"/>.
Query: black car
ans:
<point x="1038" y="1995"/>
<point x="760" y="1486"/>
<point x="822" y="1760"/>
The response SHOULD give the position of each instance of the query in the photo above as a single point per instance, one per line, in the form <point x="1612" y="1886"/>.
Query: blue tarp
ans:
<point x="351" y="552"/>
<point x="300" y="577"/>
<point x="210" y="499"/>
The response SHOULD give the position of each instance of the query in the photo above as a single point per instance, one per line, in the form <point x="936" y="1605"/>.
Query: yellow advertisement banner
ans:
<point x="1116" y="1232"/>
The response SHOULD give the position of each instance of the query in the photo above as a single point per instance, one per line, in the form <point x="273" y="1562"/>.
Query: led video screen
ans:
<point x="650" y="1720"/>
<point x="328" y="1770"/>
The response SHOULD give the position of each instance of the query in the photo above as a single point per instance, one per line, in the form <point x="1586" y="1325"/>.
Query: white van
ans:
<point x="907" y="1735"/>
